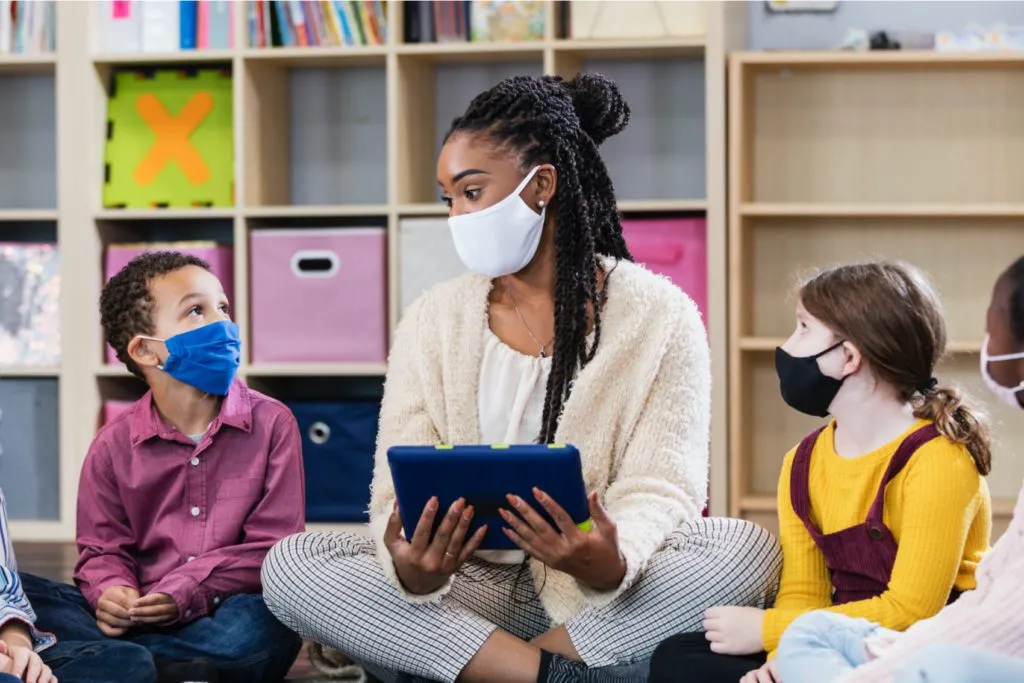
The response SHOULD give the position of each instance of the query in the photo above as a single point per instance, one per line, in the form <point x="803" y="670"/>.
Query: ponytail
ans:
<point x="956" y="420"/>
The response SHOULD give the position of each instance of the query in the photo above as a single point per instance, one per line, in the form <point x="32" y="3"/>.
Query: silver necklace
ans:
<point x="543" y="347"/>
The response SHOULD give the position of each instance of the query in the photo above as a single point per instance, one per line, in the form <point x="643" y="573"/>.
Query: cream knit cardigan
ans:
<point x="639" y="413"/>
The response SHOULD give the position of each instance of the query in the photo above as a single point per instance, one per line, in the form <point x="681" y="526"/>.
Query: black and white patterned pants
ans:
<point x="330" y="588"/>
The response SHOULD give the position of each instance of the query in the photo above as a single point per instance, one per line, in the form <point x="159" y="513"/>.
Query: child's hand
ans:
<point x="112" y="610"/>
<point x="735" y="630"/>
<point x="766" y="674"/>
<point x="24" y="663"/>
<point x="155" y="608"/>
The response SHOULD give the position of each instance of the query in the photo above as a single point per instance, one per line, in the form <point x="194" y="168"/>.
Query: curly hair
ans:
<point x="126" y="304"/>
<point x="550" y="120"/>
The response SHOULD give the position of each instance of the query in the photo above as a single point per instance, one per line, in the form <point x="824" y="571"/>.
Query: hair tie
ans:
<point x="926" y="386"/>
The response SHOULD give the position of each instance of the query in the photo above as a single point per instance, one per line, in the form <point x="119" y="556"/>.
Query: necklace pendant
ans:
<point x="543" y="354"/>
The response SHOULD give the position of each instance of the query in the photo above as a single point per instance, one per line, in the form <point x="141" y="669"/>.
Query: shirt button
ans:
<point x="216" y="601"/>
<point x="194" y="461"/>
<point x="191" y="557"/>
<point x="188" y="613"/>
<point x="195" y="512"/>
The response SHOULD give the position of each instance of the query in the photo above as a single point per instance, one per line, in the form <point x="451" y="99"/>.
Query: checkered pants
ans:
<point x="330" y="588"/>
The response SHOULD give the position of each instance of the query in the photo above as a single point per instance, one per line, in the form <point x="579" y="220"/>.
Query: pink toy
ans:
<point x="219" y="256"/>
<point x="676" y="248"/>
<point x="319" y="295"/>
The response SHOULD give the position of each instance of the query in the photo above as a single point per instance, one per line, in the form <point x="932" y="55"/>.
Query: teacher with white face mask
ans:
<point x="555" y="337"/>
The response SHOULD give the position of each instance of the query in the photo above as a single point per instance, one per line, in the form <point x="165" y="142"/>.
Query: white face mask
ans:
<point x="501" y="239"/>
<point x="1007" y="395"/>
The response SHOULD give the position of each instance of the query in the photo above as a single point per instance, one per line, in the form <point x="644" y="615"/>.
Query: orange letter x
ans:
<point x="172" y="138"/>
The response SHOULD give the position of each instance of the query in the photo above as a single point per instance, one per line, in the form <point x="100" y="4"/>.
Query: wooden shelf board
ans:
<point x="41" y="531"/>
<point x="758" y="503"/>
<point x="29" y="371"/>
<point x="27" y="215"/>
<point x="877" y="59"/>
<point x="769" y="344"/>
<point x="182" y="56"/>
<point x="632" y="48"/>
<point x="108" y="370"/>
<point x="163" y="214"/>
<point x="423" y="209"/>
<point x="870" y="210"/>
<point x="473" y="52"/>
<point x="316" y="211"/>
<point x="317" y="56"/>
<point x="658" y="205"/>
<point x="316" y="370"/>
<point x="28" y="63"/>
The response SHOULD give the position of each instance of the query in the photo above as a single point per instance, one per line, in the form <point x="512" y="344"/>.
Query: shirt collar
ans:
<point x="235" y="411"/>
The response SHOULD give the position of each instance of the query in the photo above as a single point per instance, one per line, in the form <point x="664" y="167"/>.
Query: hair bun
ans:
<point x="599" y="105"/>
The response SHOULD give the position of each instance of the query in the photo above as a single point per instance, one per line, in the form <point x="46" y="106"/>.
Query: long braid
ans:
<point x="562" y="123"/>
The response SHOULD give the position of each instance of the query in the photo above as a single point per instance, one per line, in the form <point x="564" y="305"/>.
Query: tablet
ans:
<point x="484" y="475"/>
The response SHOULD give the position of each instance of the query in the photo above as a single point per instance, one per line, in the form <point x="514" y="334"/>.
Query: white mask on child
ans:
<point x="1007" y="395"/>
<point x="501" y="239"/>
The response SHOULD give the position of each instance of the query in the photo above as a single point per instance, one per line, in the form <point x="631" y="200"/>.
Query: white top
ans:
<point x="511" y="405"/>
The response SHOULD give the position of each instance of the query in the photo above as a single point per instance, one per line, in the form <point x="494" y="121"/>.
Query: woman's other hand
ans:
<point x="735" y="630"/>
<point x="592" y="557"/>
<point x="423" y="564"/>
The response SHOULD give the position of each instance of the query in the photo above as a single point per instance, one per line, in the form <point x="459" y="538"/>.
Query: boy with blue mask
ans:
<point x="179" y="500"/>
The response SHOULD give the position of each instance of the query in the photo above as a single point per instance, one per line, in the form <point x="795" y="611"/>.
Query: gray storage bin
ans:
<point x="428" y="256"/>
<point x="29" y="465"/>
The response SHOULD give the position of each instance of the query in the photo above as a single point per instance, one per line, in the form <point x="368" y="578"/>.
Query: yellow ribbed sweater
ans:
<point x="938" y="508"/>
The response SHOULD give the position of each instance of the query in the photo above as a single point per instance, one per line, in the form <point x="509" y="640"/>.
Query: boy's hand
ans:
<point x="155" y="608"/>
<point x="734" y="630"/>
<point x="24" y="663"/>
<point x="112" y="610"/>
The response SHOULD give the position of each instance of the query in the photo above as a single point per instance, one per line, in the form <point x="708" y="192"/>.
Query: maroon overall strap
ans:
<point x="899" y="460"/>
<point x="800" y="482"/>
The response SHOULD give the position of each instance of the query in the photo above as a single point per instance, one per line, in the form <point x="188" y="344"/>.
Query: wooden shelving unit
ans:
<point x="341" y="137"/>
<point x="836" y="157"/>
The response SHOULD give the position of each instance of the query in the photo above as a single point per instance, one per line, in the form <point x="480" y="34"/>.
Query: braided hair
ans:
<point x="550" y="120"/>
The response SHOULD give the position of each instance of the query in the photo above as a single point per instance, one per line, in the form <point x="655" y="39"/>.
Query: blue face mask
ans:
<point x="206" y="358"/>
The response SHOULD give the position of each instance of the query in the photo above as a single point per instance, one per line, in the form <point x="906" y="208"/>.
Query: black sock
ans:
<point x="545" y="666"/>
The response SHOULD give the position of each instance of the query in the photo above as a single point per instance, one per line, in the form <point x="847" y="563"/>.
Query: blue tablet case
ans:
<point x="484" y="475"/>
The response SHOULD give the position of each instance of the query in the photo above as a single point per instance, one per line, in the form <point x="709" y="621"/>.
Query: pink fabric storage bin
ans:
<point x="219" y="256"/>
<point x="318" y="295"/>
<point x="675" y="248"/>
<point x="112" y="409"/>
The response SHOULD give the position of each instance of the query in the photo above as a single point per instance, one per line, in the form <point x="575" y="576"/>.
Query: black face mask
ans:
<point x="804" y="386"/>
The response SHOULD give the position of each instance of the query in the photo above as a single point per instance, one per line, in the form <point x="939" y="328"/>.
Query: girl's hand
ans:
<point x="735" y="630"/>
<point x="592" y="557"/>
<point x="766" y="674"/>
<point x="423" y="564"/>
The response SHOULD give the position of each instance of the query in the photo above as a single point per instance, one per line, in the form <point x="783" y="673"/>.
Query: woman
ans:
<point x="980" y="637"/>
<point x="558" y="337"/>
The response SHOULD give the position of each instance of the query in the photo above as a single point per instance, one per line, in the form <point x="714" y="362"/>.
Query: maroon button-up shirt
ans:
<point x="162" y="514"/>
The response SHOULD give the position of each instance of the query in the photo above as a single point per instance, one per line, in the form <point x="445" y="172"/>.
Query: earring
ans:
<point x="540" y="203"/>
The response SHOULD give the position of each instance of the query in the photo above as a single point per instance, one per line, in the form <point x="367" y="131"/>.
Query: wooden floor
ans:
<point x="56" y="561"/>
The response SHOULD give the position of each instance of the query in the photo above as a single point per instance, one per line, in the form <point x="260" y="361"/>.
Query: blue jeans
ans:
<point x="819" y="647"/>
<point x="944" y="663"/>
<point x="243" y="639"/>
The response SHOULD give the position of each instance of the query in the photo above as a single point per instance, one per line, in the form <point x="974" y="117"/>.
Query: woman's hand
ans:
<point x="766" y="674"/>
<point x="592" y="557"/>
<point x="424" y="564"/>
<point x="735" y="630"/>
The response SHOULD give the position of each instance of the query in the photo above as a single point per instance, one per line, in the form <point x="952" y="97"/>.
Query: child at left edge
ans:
<point x="179" y="500"/>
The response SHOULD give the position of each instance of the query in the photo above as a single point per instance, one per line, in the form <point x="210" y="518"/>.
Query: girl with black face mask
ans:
<point x="883" y="512"/>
